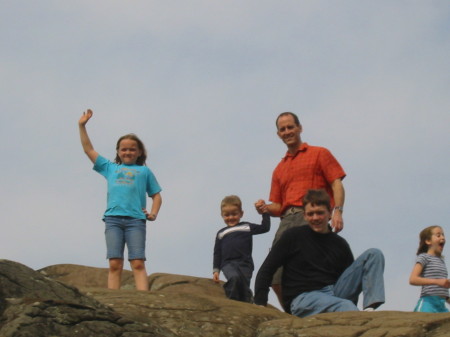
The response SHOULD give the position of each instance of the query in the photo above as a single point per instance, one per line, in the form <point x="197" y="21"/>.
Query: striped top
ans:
<point x="434" y="268"/>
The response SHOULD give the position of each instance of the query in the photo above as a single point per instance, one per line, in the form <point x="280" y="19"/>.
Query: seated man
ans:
<point x="320" y="274"/>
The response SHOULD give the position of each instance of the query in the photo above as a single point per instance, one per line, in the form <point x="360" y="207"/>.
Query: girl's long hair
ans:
<point x="142" y="158"/>
<point x="425" y="235"/>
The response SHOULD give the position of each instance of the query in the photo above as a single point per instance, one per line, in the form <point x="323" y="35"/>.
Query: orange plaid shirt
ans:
<point x="312" y="167"/>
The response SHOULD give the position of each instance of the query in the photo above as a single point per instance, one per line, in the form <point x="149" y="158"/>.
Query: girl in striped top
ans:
<point x="430" y="271"/>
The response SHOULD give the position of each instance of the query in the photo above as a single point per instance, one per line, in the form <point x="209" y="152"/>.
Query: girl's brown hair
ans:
<point x="424" y="236"/>
<point x="142" y="158"/>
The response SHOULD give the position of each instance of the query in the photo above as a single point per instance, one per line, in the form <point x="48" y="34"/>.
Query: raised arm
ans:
<point x="85" y="141"/>
<point x="264" y="227"/>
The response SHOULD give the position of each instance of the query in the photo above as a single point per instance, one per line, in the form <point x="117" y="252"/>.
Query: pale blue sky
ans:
<point x="202" y="83"/>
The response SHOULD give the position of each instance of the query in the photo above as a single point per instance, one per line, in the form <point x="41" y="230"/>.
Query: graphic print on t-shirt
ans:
<point x="126" y="176"/>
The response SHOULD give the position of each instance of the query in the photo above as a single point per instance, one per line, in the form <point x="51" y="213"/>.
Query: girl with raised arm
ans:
<point x="129" y="180"/>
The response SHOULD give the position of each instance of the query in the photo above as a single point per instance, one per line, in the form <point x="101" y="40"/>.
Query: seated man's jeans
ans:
<point x="364" y="275"/>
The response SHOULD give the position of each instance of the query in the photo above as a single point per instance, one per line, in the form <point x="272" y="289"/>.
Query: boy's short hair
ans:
<point x="317" y="198"/>
<point x="232" y="200"/>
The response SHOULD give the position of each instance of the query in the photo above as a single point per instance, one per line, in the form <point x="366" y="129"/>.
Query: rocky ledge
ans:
<point x="71" y="300"/>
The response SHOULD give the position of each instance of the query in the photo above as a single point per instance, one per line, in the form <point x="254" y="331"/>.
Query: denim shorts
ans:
<point x="121" y="230"/>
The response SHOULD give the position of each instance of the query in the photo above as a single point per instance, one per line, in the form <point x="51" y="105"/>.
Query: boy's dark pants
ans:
<point x="238" y="274"/>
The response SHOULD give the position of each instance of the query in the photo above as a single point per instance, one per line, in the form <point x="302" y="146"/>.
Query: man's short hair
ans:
<point x="317" y="198"/>
<point x="231" y="200"/>
<point x="296" y="120"/>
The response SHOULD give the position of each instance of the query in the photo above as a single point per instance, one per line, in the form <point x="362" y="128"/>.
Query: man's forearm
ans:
<point x="338" y="192"/>
<point x="274" y="209"/>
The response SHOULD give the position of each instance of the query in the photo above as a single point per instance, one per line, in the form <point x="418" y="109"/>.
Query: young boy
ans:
<point x="233" y="249"/>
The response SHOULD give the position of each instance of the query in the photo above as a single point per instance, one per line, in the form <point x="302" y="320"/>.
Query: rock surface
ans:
<point x="71" y="300"/>
<point x="32" y="305"/>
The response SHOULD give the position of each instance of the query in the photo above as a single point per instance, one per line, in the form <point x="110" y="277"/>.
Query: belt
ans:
<point x="292" y="210"/>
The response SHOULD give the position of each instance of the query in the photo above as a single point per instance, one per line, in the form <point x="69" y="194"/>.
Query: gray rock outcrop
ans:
<point x="32" y="305"/>
<point x="71" y="300"/>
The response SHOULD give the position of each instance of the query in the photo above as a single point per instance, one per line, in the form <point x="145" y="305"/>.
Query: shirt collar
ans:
<point x="302" y="148"/>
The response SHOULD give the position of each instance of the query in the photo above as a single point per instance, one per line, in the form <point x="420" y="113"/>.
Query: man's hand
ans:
<point x="216" y="277"/>
<point x="336" y="221"/>
<point x="261" y="206"/>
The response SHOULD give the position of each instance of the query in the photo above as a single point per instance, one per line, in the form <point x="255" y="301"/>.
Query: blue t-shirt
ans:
<point x="127" y="187"/>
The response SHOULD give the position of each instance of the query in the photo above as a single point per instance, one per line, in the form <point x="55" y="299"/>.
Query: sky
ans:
<point x="201" y="83"/>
